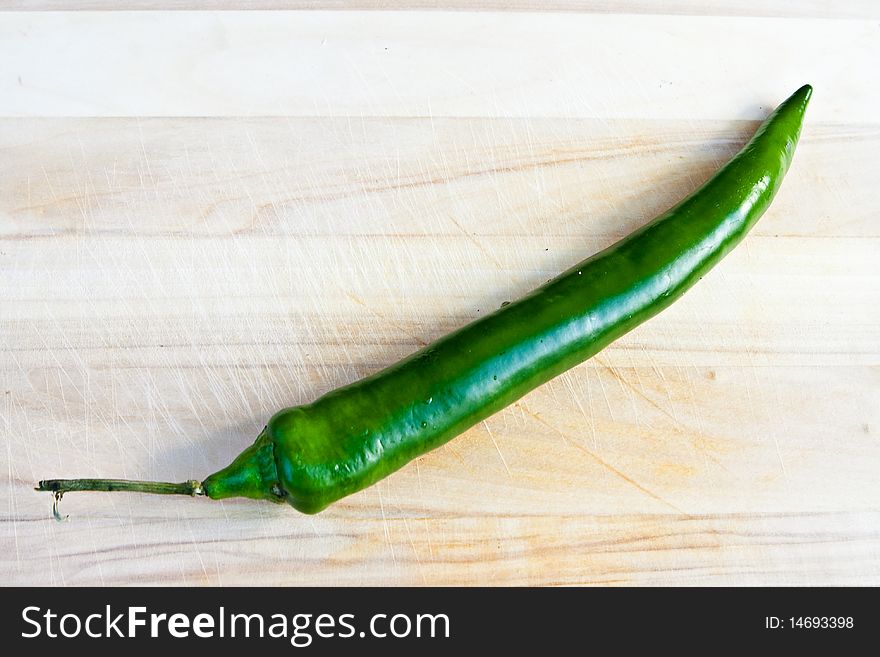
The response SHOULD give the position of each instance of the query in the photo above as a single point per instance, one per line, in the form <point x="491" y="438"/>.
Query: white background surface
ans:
<point x="207" y="216"/>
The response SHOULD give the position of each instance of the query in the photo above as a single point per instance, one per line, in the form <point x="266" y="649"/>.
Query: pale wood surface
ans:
<point x="776" y="8"/>
<point x="205" y="217"/>
<point x="431" y="64"/>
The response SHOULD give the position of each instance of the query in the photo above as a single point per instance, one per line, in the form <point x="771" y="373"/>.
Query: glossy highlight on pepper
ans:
<point x="315" y="454"/>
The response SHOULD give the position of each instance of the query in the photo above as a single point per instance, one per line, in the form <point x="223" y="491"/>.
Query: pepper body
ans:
<point x="315" y="454"/>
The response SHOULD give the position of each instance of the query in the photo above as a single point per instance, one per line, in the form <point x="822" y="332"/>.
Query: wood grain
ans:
<point x="464" y="64"/>
<point x="168" y="282"/>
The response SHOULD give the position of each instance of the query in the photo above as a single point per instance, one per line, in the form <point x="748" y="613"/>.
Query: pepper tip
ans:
<point x="803" y="94"/>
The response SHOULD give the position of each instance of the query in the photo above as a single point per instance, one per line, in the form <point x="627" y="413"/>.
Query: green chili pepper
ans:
<point x="310" y="456"/>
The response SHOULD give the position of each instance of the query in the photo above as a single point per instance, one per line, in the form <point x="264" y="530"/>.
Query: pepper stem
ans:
<point x="191" y="487"/>
<point x="60" y="486"/>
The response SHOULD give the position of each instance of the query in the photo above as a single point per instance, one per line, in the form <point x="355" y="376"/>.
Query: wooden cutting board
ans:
<point x="208" y="216"/>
